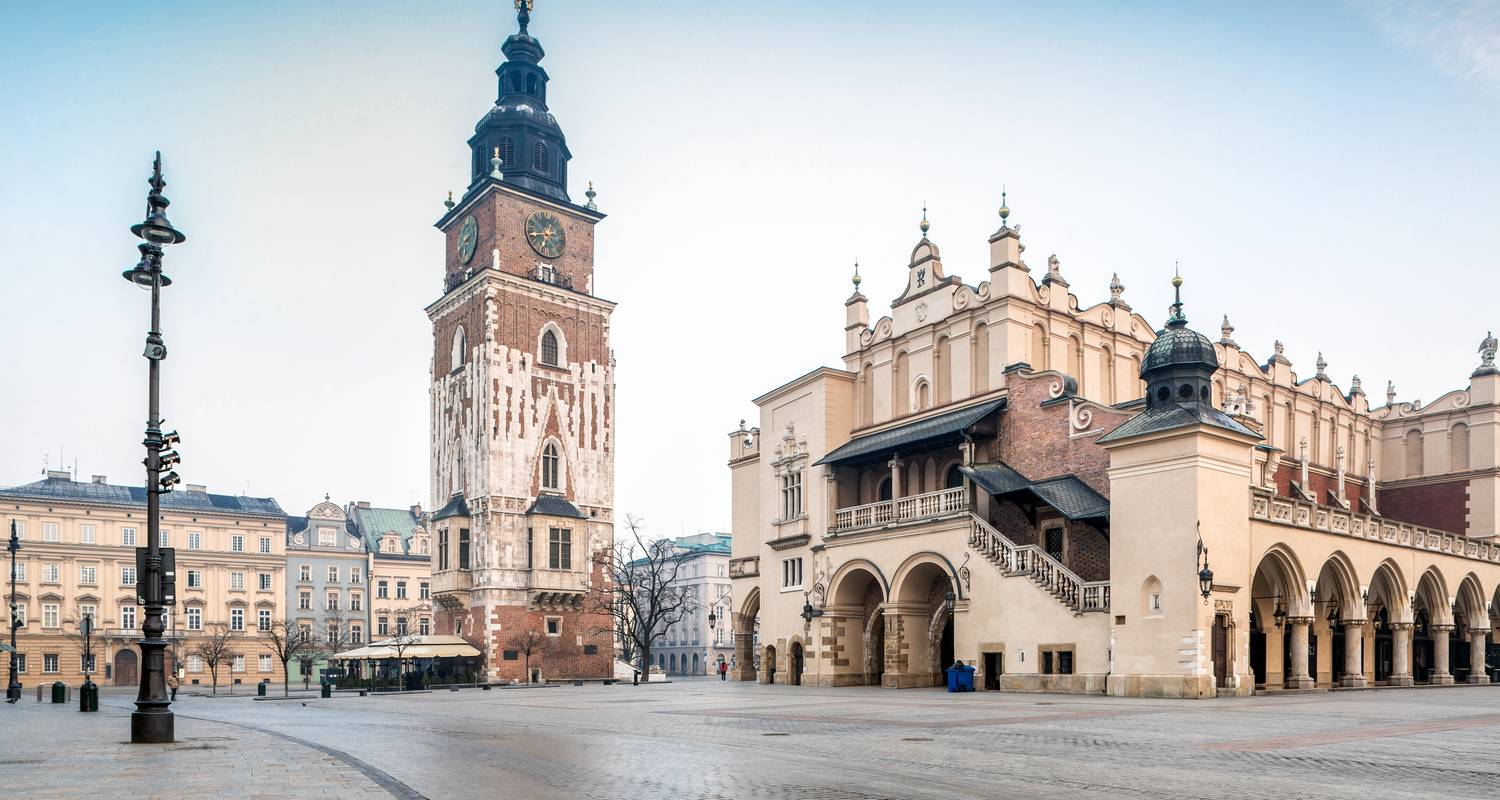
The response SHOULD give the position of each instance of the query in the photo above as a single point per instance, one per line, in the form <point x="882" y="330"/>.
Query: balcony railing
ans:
<point x="1044" y="570"/>
<point x="551" y="275"/>
<point x="901" y="509"/>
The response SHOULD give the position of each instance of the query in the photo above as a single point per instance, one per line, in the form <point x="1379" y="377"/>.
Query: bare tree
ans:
<point x="287" y="641"/>
<point x="214" y="648"/>
<point x="72" y="630"/>
<point x="640" y="591"/>
<point x="403" y="638"/>
<point x="336" y="636"/>
<point x="527" y="643"/>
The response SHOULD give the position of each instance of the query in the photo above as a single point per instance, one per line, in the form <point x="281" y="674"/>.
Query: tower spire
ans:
<point x="523" y="15"/>
<point x="1176" y="320"/>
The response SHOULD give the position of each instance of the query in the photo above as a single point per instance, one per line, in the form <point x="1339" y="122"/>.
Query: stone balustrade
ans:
<point x="1267" y="507"/>
<point x="1035" y="563"/>
<point x="901" y="509"/>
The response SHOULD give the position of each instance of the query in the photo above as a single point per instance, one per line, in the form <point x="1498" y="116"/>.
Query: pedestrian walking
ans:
<point x="172" y="684"/>
<point x="723" y="670"/>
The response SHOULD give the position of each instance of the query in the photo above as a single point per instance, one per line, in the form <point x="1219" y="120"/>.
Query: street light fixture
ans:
<point x="13" y="689"/>
<point x="1205" y="575"/>
<point x="152" y="721"/>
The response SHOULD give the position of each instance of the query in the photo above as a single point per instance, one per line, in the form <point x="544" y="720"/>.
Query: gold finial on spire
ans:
<point x="925" y="224"/>
<point x="1176" y="318"/>
<point x="449" y="202"/>
<point x="856" y="279"/>
<point x="495" y="166"/>
<point x="1004" y="208"/>
<point x="523" y="14"/>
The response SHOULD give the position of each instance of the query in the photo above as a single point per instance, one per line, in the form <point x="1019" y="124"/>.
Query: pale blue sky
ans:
<point x="1325" y="173"/>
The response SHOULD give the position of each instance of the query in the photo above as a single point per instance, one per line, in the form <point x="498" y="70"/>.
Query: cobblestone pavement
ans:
<point x="706" y="739"/>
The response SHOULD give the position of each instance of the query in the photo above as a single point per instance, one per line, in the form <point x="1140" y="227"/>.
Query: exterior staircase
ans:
<point x="1033" y="562"/>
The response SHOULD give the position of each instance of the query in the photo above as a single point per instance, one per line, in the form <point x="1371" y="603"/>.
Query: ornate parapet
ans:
<point x="1267" y="507"/>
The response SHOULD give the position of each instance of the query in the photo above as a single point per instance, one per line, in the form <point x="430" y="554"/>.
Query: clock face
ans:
<point x="545" y="234"/>
<point x="468" y="239"/>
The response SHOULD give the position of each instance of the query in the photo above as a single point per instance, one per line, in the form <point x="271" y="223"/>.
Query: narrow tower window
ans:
<point x="549" y="466"/>
<point x="549" y="348"/>
<point x="539" y="158"/>
<point x="459" y="349"/>
<point x="507" y="152"/>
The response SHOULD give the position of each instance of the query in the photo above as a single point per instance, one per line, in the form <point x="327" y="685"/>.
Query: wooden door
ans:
<point x="1221" y="650"/>
<point x="125" y="671"/>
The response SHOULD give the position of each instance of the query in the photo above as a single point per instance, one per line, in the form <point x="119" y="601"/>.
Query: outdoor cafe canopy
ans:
<point x="416" y="647"/>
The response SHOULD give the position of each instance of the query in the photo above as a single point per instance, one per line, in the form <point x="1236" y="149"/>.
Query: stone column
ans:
<point x="1440" y="673"/>
<point x="1401" y="654"/>
<point x="1298" y="677"/>
<point x="1478" y="640"/>
<point x="1354" y="650"/>
<point x="744" y="656"/>
<point x="896" y="485"/>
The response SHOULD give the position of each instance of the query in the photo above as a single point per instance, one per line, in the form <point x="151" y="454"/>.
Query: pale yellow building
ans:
<point x="1003" y="474"/>
<point x="77" y="557"/>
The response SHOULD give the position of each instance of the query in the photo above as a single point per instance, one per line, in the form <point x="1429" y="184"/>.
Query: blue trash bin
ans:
<point x="960" y="677"/>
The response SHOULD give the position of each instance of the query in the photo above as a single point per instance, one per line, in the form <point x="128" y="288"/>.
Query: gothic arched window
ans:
<point x="549" y="348"/>
<point x="460" y="350"/>
<point x="550" y="462"/>
<point x="539" y="158"/>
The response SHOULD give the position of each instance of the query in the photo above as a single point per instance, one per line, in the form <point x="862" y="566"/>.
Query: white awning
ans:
<point x="433" y="646"/>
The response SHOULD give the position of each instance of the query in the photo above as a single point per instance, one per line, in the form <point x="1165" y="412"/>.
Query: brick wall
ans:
<point x="1034" y="437"/>
<point x="1322" y="486"/>
<point x="501" y="221"/>
<point x="1444" y="506"/>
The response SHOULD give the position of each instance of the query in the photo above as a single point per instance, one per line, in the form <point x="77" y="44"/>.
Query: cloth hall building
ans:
<point x="1070" y="499"/>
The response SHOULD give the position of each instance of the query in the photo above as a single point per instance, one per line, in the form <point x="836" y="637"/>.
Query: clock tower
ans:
<point x="522" y="396"/>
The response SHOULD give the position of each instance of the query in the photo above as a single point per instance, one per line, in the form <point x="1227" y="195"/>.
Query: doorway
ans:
<point x="994" y="666"/>
<point x="770" y="663"/>
<point x="796" y="663"/>
<point x="945" y="652"/>
<point x="125" y="668"/>
<point x="1385" y="650"/>
<point x="1257" y="652"/>
<point x="1221" y="650"/>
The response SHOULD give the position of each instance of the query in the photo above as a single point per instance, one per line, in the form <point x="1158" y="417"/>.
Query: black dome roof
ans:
<point x="1179" y="346"/>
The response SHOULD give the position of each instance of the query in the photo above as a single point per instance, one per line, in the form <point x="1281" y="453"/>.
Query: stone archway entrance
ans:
<point x="768" y="664"/>
<point x="797" y="664"/>
<point x="126" y="673"/>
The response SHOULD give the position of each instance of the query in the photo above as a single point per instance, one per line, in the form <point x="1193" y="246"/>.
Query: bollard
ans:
<point x="59" y="692"/>
<point x="88" y="696"/>
<point x="327" y="690"/>
<point x="364" y="693"/>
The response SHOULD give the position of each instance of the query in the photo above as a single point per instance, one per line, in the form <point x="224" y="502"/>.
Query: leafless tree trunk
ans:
<point x="641" y="593"/>
<point x="214" y="648"/>
<point x="287" y="641"/>
<point x="527" y="643"/>
<point x="403" y="639"/>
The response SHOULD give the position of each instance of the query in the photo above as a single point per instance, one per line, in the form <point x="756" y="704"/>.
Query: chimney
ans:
<point x="362" y="504"/>
<point x="416" y="510"/>
<point x="59" y="474"/>
<point x="101" y="480"/>
<point x="197" y="488"/>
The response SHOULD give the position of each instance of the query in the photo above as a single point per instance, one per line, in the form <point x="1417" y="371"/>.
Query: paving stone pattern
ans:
<point x="707" y="739"/>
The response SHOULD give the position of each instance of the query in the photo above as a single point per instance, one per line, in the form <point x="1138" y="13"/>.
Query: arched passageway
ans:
<point x="747" y="661"/>
<point x="1281" y="653"/>
<point x="856" y="614"/>
<point x="919" y="636"/>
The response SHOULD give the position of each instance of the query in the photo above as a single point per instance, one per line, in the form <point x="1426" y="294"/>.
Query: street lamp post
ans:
<point x="13" y="689"/>
<point x="152" y="721"/>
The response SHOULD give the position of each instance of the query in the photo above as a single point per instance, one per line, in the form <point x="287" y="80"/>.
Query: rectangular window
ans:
<point x="381" y="590"/>
<point x="332" y="601"/>
<point x="88" y="574"/>
<point x="304" y="600"/>
<point x="20" y="571"/>
<point x="49" y="662"/>
<point x="463" y="548"/>
<point x="88" y="663"/>
<point x="236" y="619"/>
<point x="50" y="532"/>
<point x="554" y="626"/>
<point x="20" y="662"/>
<point x="263" y="619"/>
<point x="127" y="576"/>
<point x="86" y="534"/>
<point x="265" y="581"/>
<point x="327" y="537"/>
<point x="443" y="549"/>
<point x="195" y="540"/>
<point x="195" y="663"/>
<point x="237" y="580"/>
<point x="89" y="610"/>
<point x="1057" y="660"/>
<point x="1055" y="543"/>
<point x="424" y="591"/>
<point x="265" y="662"/>
<point x="791" y="573"/>
<point x="304" y="573"/>
<point x="237" y="543"/>
<point x="400" y="626"/>
<point x="238" y="663"/>
<point x="51" y="616"/>
<point x="127" y="537"/>
<point x="331" y="634"/>
<point x="356" y="602"/>
<point x="791" y="495"/>
<point x="400" y="590"/>
<point x="50" y="573"/>
<point x="559" y="548"/>
<point x="356" y="633"/>
<point x="381" y="626"/>
<point x="424" y="627"/>
<point x="20" y="529"/>
<point x="127" y="617"/>
<point x="333" y="574"/>
<point x="194" y="618"/>
<point x="304" y="632"/>
<point x="265" y="545"/>
<point x="354" y="575"/>
<point x="195" y="579"/>
<point x="163" y="539"/>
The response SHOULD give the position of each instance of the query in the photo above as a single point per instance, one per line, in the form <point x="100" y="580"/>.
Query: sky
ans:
<point x="1325" y="174"/>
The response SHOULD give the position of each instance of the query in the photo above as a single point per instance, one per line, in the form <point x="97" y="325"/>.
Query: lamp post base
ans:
<point x="151" y="727"/>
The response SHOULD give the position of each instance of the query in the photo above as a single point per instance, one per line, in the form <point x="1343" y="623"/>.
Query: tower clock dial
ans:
<point x="544" y="232"/>
<point x="468" y="238"/>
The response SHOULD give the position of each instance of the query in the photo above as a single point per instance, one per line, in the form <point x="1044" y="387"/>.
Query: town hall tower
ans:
<point x="522" y="395"/>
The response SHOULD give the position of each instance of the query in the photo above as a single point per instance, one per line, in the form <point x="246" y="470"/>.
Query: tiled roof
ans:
<point x="456" y="507"/>
<point x="996" y="478"/>
<point x="372" y="523"/>
<point x="929" y="431"/>
<point x="1066" y="493"/>
<point x="296" y="525"/>
<point x="66" y="490"/>
<point x="1175" y="416"/>
<point x="554" y="505"/>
